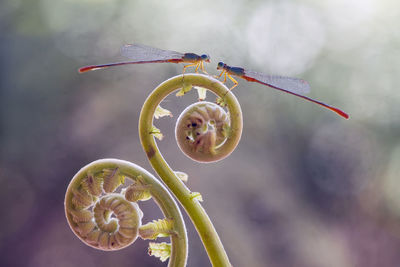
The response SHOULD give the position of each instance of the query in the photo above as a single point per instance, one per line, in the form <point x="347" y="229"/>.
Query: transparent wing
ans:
<point x="139" y="52"/>
<point x="294" y="85"/>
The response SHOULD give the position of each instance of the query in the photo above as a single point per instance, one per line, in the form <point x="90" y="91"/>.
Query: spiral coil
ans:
<point x="101" y="218"/>
<point x="200" y="129"/>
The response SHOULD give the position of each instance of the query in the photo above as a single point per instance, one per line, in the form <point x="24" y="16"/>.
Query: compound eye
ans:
<point x="205" y="57"/>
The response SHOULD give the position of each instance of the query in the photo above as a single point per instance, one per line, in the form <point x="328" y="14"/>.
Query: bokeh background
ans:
<point x="304" y="187"/>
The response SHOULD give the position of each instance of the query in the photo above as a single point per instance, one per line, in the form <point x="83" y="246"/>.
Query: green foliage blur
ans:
<point x="305" y="187"/>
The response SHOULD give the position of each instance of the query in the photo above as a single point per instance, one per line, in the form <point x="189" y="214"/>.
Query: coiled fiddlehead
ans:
<point x="213" y="147"/>
<point x="201" y="129"/>
<point x="107" y="218"/>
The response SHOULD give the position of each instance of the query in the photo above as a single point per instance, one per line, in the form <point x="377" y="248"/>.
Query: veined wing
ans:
<point x="139" y="52"/>
<point x="294" y="85"/>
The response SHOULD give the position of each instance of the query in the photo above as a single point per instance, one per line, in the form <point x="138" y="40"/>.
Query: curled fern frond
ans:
<point x="201" y="129"/>
<point x="104" y="218"/>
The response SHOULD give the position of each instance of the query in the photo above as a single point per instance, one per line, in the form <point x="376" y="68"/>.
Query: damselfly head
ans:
<point x="205" y="58"/>
<point x="220" y="65"/>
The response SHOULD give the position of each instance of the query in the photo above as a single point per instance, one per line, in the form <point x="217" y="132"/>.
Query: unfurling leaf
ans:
<point x="157" y="228"/>
<point x="161" y="112"/>
<point x="160" y="250"/>
<point x="221" y="102"/>
<point x="197" y="196"/>
<point x="183" y="176"/>
<point x="185" y="88"/>
<point x="156" y="133"/>
<point x="137" y="191"/>
<point x="202" y="92"/>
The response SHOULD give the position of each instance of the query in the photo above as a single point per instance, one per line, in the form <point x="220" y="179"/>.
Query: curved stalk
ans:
<point x="199" y="217"/>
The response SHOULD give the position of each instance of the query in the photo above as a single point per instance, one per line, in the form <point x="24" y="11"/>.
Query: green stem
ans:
<point x="199" y="217"/>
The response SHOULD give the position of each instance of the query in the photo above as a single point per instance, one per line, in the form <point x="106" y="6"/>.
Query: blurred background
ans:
<point x="304" y="187"/>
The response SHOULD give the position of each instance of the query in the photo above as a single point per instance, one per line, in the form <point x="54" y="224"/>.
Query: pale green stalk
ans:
<point x="199" y="217"/>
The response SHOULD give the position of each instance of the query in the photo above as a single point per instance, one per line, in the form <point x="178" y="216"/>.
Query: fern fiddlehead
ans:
<point x="106" y="217"/>
<point x="201" y="129"/>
